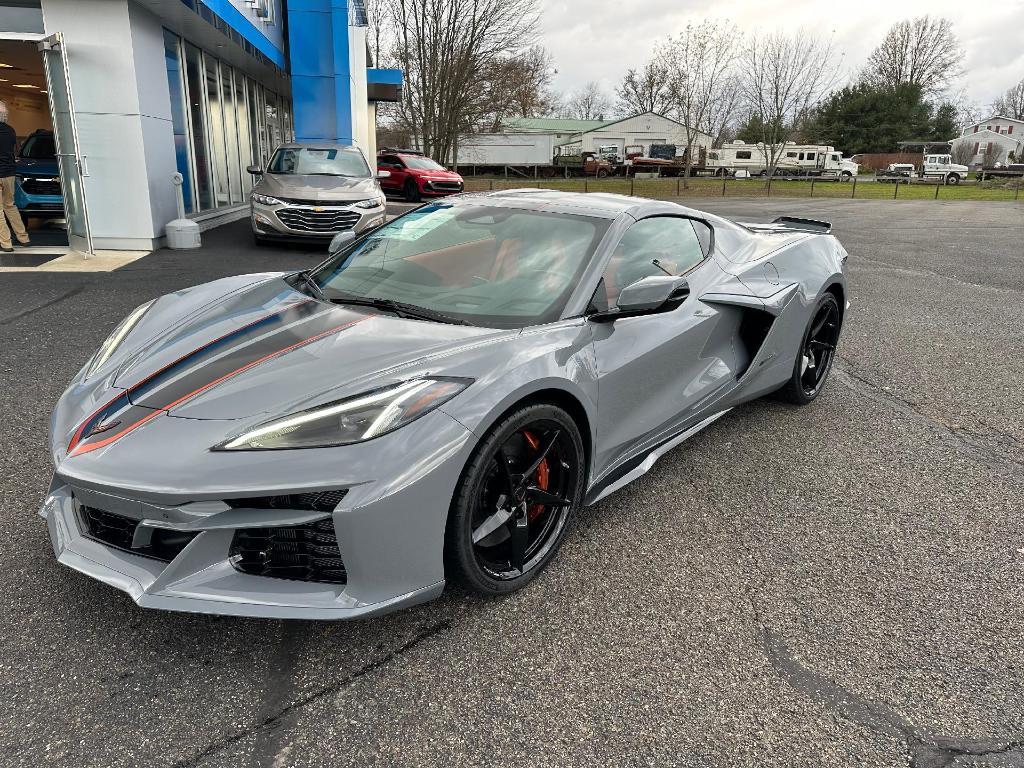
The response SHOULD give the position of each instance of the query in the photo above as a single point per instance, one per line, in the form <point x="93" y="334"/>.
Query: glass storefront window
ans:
<point x="179" y="120"/>
<point x="227" y="91"/>
<point x="218" y="148"/>
<point x="222" y="122"/>
<point x="200" y="146"/>
<point x="273" y="125"/>
<point x="244" y="138"/>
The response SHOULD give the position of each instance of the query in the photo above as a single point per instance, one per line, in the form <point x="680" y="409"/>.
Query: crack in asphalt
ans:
<point x="937" y="275"/>
<point x="49" y="303"/>
<point x="922" y="751"/>
<point x="991" y="447"/>
<point x="275" y="718"/>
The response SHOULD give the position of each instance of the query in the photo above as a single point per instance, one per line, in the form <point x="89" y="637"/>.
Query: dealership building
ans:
<point x="137" y="91"/>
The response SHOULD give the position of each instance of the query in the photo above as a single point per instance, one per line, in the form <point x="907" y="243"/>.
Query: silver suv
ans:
<point x="315" y="191"/>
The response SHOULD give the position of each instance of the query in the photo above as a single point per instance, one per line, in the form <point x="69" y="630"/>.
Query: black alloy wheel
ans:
<point x="515" y="500"/>
<point x="817" y="353"/>
<point x="411" y="192"/>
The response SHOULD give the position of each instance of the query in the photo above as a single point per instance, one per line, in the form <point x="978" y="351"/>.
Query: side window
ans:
<point x="390" y="161"/>
<point x="656" y="246"/>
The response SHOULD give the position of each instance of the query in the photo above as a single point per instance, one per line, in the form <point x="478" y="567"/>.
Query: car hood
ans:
<point x="37" y="167"/>
<point x="270" y="349"/>
<point x="320" y="188"/>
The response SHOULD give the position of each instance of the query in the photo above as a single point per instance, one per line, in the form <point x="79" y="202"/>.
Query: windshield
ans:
<point x="39" y="147"/>
<point x="486" y="265"/>
<point x="309" y="161"/>
<point x="422" y="163"/>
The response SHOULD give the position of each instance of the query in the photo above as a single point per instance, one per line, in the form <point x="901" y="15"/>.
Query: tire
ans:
<point x="952" y="180"/>
<point x="602" y="174"/>
<point x="260" y="242"/>
<point x="411" y="192"/>
<point x="845" y="176"/>
<point x="799" y="390"/>
<point x="487" y="567"/>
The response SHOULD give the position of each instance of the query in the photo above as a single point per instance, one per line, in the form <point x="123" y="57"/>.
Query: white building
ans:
<point x="995" y="137"/>
<point x="528" y="141"/>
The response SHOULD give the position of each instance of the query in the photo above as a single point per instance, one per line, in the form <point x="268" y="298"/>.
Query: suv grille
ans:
<point x="326" y="221"/>
<point x="35" y="186"/>
<point x="445" y="186"/>
<point x="301" y="553"/>
<point x="119" y="532"/>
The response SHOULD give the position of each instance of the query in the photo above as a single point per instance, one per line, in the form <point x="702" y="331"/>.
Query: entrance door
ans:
<point x="65" y="130"/>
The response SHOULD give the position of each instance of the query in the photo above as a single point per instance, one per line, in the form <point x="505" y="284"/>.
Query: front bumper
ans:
<point x="312" y="222"/>
<point x="36" y="204"/>
<point x="389" y="525"/>
<point x="439" y="188"/>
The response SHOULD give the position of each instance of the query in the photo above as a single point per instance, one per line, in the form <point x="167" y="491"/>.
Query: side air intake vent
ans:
<point x="754" y="329"/>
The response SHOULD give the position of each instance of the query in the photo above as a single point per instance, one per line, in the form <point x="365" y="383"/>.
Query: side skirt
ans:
<point x="630" y="470"/>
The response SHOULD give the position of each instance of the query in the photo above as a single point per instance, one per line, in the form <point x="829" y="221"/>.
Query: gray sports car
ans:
<point x="432" y="402"/>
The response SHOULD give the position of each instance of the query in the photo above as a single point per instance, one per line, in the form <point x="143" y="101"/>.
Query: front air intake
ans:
<point x="300" y="552"/>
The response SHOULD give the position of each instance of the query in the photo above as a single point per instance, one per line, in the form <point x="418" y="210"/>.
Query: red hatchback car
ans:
<point x="415" y="176"/>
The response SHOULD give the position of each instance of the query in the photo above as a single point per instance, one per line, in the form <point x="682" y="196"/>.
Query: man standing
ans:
<point x="8" y="166"/>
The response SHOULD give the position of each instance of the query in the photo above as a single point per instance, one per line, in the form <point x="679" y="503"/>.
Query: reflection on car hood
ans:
<point x="273" y="349"/>
<point x="321" y="188"/>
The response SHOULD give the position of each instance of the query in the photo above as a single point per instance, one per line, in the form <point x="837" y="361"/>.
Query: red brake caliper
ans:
<point x="543" y="476"/>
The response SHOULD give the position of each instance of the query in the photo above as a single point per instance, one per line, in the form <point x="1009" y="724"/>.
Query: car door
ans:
<point x="392" y="165"/>
<point x="658" y="372"/>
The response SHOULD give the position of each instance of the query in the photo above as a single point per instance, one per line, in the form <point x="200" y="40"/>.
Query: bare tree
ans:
<point x="588" y="103"/>
<point x="377" y="23"/>
<point x="1011" y="103"/>
<point x="962" y="152"/>
<point x="646" y="90"/>
<point x="923" y="51"/>
<point x="519" y="86"/>
<point x="785" y="76"/>
<point x="991" y="155"/>
<point x="699" y="61"/>
<point x="447" y="49"/>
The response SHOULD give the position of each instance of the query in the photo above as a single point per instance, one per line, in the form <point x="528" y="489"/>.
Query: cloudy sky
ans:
<point x="600" y="39"/>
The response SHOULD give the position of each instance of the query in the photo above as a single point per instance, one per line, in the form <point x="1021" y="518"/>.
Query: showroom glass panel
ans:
<point x="256" y="154"/>
<point x="179" y="121"/>
<point x="218" y="148"/>
<point x="273" y="126"/>
<point x="230" y="132"/>
<point x="244" y="138"/>
<point x="200" y="146"/>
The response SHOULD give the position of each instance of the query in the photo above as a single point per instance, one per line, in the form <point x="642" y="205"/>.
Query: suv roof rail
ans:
<point x="397" y="151"/>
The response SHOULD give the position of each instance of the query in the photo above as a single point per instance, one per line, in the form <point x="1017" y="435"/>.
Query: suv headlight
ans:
<point x="352" y="420"/>
<point x="376" y="202"/>
<point x="265" y="199"/>
<point x="113" y="341"/>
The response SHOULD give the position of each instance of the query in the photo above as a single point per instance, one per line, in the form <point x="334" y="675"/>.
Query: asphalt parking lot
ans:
<point x="838" y="585"/>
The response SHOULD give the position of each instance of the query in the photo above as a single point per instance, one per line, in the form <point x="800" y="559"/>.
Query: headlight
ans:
<point x="108" y="347"/>
<point x="265" y="199"/>
<point x="351" y="420"/>
<point x="376" y="202"/>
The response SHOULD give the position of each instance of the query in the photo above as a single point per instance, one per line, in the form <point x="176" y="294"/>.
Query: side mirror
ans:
<point x="383" y="174"/>
<point x="255" y="170"/>
<point x="659" y="293"/>
<point x="340" y="240"/>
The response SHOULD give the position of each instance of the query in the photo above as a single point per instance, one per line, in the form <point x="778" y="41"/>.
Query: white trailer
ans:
<point x="497" y="150"/>
<point x="794" y="160"/>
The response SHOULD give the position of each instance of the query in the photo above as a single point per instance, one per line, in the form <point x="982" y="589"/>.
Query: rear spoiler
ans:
<point x="804" y="225"/>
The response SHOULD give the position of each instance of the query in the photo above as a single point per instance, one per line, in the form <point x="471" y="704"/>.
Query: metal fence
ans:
<point x="858" y="188"/>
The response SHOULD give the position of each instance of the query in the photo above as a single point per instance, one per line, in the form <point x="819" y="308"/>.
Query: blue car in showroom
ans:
<point x="37" y="189"/>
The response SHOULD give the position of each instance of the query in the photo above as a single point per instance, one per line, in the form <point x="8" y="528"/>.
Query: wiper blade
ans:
<point x="311" y="284"/>
<point x="400" y="308"/>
